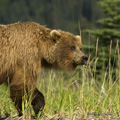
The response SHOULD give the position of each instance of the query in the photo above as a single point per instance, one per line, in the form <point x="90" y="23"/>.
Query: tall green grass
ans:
<point x="74" y="95"/>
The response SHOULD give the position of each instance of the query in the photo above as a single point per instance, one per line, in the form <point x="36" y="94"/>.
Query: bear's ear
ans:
<point x="79" y="38"/>
<point x="55" y="34"/>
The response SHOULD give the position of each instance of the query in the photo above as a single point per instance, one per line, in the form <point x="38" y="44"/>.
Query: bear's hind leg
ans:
<point x="38" y="101"/>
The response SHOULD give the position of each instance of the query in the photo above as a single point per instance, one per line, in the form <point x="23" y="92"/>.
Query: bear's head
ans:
<point x="66" y="50"/>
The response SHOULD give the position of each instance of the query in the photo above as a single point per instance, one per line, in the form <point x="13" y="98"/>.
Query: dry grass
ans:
<point x="74" y="96"/>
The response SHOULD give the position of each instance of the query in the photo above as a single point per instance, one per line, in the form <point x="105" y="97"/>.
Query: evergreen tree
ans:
<point x="110" y="31"/>
<point x="111" y="24"/>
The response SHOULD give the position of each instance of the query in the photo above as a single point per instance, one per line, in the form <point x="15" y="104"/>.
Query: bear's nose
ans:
<point x="84" y="58"/>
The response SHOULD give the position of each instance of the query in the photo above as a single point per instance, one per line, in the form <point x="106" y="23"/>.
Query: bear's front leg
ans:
<point x="16" y="96"/>
<point x="22" y="86"/>
<point x="38" y="101"/>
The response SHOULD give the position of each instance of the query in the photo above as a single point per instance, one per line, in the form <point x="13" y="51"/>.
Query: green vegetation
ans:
<point x="110" y="24"/>
<point x="76" y="95"/>
<point x="108" y="35"/>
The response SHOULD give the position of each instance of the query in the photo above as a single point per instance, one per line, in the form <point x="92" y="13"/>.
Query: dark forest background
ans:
<point x="58" y="14"/>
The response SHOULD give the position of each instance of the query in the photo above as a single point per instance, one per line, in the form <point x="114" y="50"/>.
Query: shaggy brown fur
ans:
<point x="25" y="48"/>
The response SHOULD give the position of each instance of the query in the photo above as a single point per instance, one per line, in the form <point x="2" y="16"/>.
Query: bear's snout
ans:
<point x="84" y="58"/>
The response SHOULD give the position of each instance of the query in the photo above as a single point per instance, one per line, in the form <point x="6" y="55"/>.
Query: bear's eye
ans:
<point x="72" y="47"/>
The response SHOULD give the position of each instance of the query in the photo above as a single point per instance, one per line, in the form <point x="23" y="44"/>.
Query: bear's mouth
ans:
<point x="83" y="62"/>
<point x="78" y="64"/>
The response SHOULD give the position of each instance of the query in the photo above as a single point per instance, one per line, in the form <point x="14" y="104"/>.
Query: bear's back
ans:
<point x="19" y="44"/>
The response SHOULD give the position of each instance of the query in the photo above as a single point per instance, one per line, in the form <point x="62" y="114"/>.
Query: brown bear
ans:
<point x="27" y="47"/>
